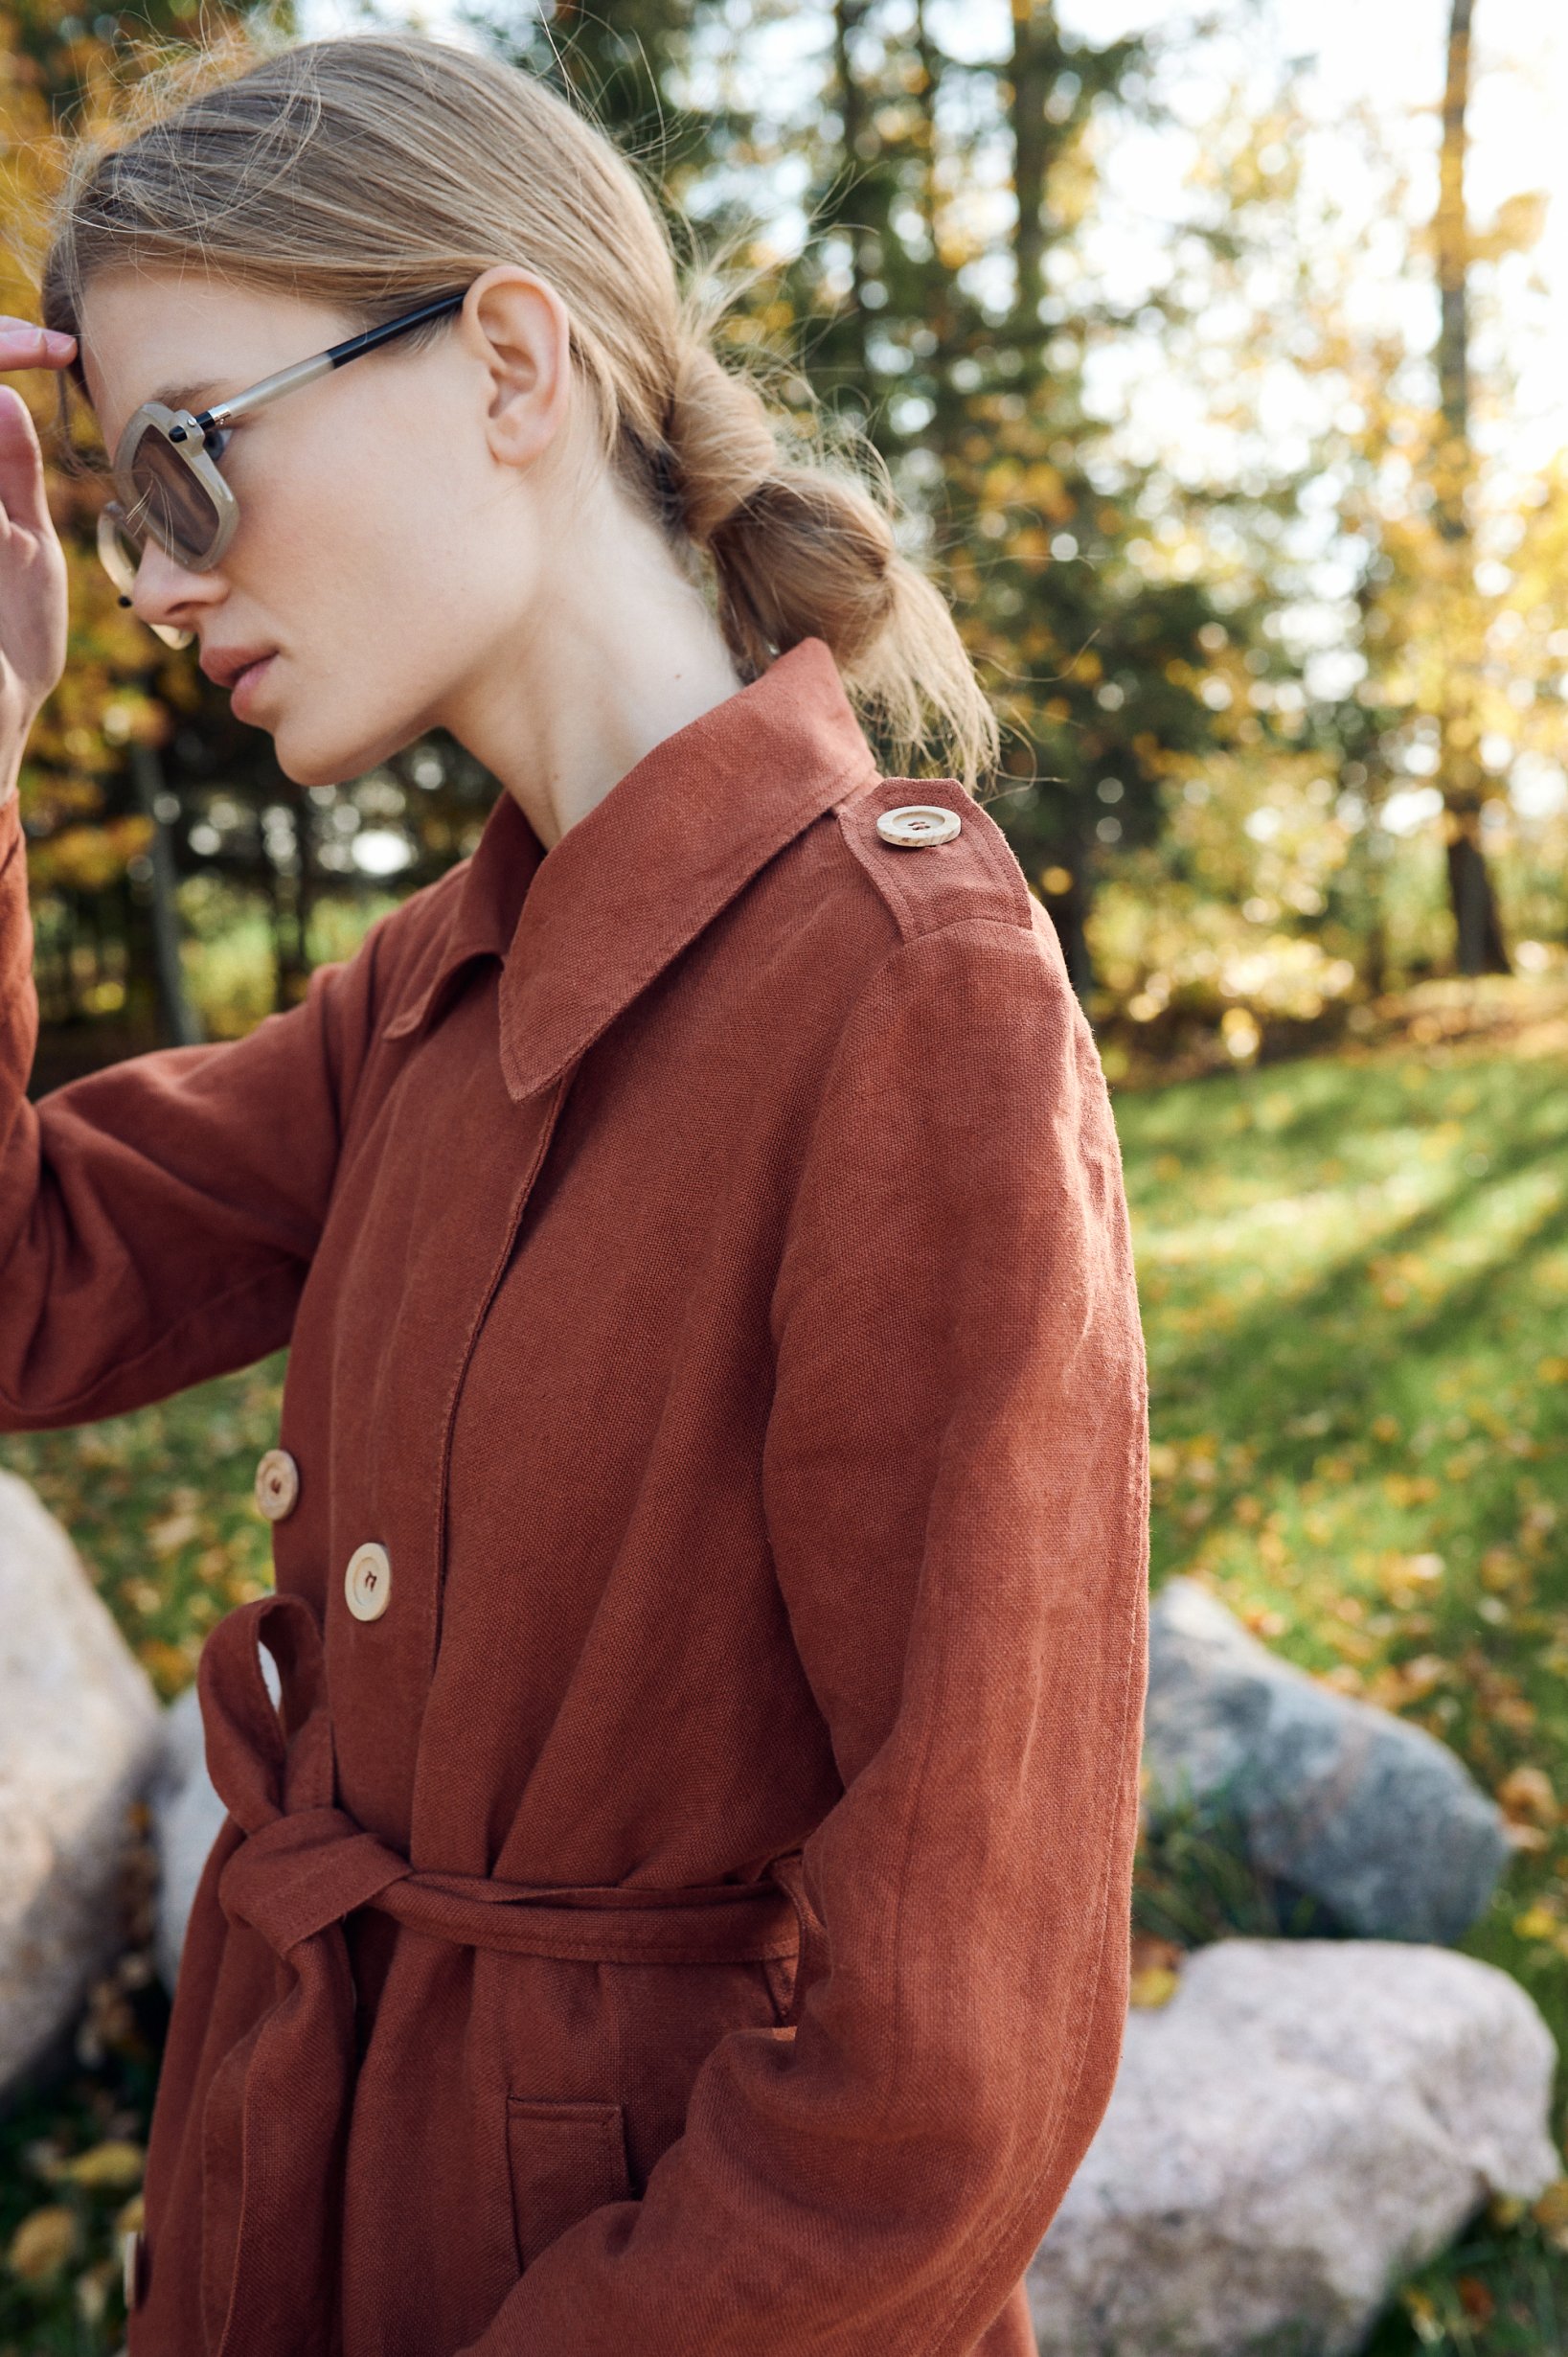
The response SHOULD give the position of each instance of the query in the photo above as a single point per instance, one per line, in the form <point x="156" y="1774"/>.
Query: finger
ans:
<point x="22" y="500"/>
<point x="23" y="345"/>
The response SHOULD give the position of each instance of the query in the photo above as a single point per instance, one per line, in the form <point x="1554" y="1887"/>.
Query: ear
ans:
<point x="516" y="327"/>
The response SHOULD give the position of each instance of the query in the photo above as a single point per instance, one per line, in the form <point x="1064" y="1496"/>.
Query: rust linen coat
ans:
<point x="704" y="1258"/>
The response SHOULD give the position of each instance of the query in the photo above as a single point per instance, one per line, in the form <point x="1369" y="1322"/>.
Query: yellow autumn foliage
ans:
<point x="43" y="2243"/>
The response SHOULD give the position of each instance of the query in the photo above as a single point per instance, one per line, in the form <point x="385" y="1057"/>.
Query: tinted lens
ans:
<point x="118" y="549"/>
<point x="170" y="502"/>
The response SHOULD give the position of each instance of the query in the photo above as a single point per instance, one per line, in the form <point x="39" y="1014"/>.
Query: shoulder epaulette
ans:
<point x="934" y="854"/>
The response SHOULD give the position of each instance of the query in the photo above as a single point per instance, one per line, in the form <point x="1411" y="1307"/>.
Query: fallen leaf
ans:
<point x="1550" y="2213"/>
<point x="1423" y="2313"/>
<point x="1150" y="1953"/>
<point x="1527" y="1793"/>
<point x="92" y="2287"/>
<point x="1475" y="2298"/>
<point x="1342" y="1678"/>
<point x="42" y="2243"/>
<point x="174" y="1532"/>
<point x="1153" y="1987"/>
<point x="112" y="2167"/>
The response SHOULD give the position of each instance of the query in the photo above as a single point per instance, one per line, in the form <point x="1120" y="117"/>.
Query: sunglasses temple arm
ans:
<point x="270" y="389"/>
<point x="306" y="371"/>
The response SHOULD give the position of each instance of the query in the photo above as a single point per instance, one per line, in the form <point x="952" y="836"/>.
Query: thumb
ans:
<point x="22" y="500"/>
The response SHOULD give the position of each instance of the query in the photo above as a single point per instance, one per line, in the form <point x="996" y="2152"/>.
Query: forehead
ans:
<point x="186" y="340"/>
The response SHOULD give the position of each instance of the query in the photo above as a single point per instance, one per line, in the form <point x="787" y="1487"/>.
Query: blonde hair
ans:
<point x="374" y="169"/>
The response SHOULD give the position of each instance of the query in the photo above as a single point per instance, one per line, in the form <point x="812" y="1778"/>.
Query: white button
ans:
<point x="133" y="2274"/>
<point x="277" y="1484"/>
<point x="915" y="824"/>
<point x="367" y="1582"/>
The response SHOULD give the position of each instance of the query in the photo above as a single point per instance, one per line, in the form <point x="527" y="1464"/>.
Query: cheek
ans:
<point x="360" y="542"/>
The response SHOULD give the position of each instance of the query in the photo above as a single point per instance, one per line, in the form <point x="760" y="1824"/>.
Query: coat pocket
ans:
<point x="566" y="2159"/>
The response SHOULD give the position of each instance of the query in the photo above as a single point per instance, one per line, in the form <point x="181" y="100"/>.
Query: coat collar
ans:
<point x="583" y="928"/>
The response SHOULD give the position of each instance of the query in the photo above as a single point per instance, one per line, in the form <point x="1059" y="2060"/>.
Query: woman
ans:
<point x="684" y="1906"/>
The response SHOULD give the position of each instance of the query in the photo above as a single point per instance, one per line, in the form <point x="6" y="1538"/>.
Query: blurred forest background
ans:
<point x="1223" y="490"/>
<point x="1212" y="382"/>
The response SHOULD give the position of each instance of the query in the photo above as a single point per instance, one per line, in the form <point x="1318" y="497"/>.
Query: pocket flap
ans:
<point x="567" y="2160"/>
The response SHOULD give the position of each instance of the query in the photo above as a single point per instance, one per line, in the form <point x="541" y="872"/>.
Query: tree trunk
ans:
<point x="1033" y="61"/>
<point x="851" y="107"/>
<point x="1032" y="51"/>
<point x="1068" y="911"/>
<point x="1453" y="259"/>
<point x="1480" y="947"/>
<point x="177" y="1017"/>
<point x="925" y="49"/>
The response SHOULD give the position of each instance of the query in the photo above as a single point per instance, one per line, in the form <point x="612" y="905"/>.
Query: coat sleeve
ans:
<point x="157" y="1219"/>
<point x="956" y="1488"/>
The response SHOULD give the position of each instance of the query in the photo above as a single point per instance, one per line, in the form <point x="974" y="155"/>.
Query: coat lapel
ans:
<point x="583" y="929"/>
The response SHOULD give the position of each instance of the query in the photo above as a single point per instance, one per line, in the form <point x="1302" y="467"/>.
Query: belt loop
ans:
<point x="812" y="1957"/>
<point x="262" y="1764"/>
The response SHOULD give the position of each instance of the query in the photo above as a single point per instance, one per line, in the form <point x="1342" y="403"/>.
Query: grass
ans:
<point x="1356" y="1286"/>
<point x="1355" y="1276"/>
<point x="160" y="1503"/>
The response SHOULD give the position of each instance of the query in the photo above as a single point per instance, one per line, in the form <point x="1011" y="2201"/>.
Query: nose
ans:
<point x="170" y="592"/>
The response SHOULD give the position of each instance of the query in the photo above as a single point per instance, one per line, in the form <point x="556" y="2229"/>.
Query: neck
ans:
<point x="621" y="652"/>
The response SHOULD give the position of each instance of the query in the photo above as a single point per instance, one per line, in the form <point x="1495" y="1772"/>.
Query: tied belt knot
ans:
<point x="276" y="2113"/>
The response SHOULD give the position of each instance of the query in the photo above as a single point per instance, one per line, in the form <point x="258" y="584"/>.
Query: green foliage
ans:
<point x="1195" y="1882"/>
<point x="1501" y="2290"/>
<point x="230" y="947"/>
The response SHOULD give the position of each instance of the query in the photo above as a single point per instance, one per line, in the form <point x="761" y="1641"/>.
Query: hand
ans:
<point x="33" y="578"/>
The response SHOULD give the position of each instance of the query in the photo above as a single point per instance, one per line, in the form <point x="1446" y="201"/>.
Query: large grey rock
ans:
<point x="187" y="1816"/>
<point x="79" y="1745"/>
<point x="1373" y="1818"/>
<point x="1305" y="2123"/>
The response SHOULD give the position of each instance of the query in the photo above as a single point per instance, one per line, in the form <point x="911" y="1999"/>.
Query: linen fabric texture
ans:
<point x="693" y="1917"/>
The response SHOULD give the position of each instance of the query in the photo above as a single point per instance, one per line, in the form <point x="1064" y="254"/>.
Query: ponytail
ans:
<point x="802" y="548"/>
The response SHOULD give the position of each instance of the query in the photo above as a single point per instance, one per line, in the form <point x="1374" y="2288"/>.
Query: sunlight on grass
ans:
<point x="1355" y="1278"/>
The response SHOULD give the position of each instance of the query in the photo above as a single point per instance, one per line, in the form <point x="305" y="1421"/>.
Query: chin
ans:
<point x="306" y="761"/>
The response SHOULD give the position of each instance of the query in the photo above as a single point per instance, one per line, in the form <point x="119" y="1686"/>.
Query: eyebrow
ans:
<point x="183" y="396"/>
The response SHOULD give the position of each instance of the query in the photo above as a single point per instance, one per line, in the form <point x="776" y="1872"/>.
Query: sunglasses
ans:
<point x="166" y="472"/>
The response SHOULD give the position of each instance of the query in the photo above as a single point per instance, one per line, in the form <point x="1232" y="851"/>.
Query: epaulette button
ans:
<point x="916" y="824"/>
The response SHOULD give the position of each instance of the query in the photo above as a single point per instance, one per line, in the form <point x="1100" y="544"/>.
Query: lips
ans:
<point x="224" y="665"/>
<point x="247" y="683"/>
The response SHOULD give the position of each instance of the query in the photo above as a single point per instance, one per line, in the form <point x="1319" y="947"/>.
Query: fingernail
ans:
<point x="57" y="338"/>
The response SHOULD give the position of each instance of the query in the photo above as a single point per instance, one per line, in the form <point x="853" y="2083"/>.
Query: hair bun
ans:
<point x="721" y="441"/>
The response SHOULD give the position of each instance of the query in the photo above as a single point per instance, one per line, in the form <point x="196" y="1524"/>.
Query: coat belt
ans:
<point x="276" y="2113"/>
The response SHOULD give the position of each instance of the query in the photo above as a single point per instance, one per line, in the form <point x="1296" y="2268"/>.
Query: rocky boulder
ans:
<point x="187" y="1815"/>
<point x="79" y="1745"/>
<point x="1304" y="2123"/>
<point x="1372" y="1818"/>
